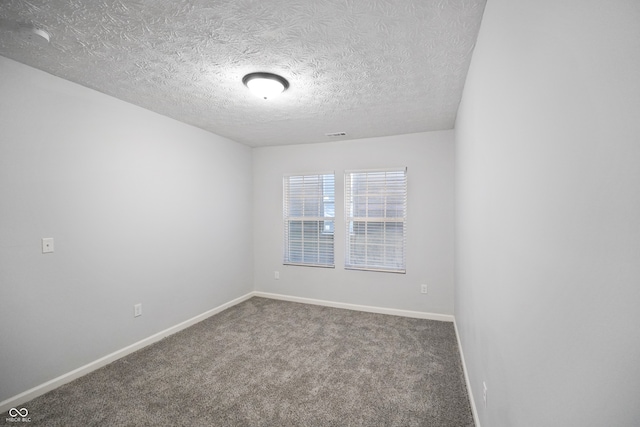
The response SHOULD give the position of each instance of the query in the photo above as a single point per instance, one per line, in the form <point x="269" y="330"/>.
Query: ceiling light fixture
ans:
<point x="25" y="30"/>
<point x="40" y="33"/>
<point x="265" y="85"/>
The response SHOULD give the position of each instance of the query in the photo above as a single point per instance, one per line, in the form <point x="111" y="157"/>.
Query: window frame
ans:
<point x="324" y="215"/>
<point x="391" y="264"/>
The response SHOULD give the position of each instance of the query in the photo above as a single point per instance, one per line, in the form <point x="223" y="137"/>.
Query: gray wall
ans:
<point x="430" y="221"/>
<point x="143" y="209"/>
<point x="548" y="214"/>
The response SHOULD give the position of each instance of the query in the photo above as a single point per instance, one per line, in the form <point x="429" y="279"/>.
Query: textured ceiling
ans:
<point x="365" y="67"/>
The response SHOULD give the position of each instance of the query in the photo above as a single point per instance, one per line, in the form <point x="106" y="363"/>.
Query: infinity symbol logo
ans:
<point x="22" y="412"/>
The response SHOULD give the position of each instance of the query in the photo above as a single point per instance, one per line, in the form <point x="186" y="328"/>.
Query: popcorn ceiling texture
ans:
<point x="368" y="68"/>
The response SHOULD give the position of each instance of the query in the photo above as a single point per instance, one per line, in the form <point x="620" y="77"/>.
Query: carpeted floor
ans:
<point x="273" y="363"/>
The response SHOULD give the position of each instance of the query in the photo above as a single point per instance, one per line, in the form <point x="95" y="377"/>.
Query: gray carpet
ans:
<point x="272" y="363"/>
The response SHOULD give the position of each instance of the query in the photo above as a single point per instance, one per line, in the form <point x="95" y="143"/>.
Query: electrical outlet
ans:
<point x="137" y="310"/>
<point x="276" y="275"/>
<point x="484" y="393"/>
<point x="423" y="289"/>
<point x="47" y="245"/>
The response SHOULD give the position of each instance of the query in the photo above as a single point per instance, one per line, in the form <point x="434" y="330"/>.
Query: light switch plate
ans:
<point x="47" y="245"/>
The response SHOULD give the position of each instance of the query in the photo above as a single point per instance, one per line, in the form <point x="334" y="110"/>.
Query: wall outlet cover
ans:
<point x="47" y="245"/>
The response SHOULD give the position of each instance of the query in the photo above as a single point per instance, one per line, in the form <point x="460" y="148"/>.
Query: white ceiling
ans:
<point x="365" y="67"/>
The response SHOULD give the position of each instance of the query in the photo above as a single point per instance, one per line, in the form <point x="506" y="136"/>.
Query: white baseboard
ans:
<point x="369" y="309"/>
<point x="41" y="389"/>
<point x="474" y="410"/>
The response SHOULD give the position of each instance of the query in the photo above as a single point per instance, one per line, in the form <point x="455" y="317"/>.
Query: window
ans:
<point x="309" y="219"/>
<point x="375" y="217"/>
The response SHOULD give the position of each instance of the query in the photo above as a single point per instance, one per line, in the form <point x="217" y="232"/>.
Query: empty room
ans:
<point x="320" y="213"/>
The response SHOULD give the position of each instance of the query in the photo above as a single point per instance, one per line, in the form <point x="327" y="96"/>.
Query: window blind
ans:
<point x="375" y="218"/>
<point x="309" y="219"/>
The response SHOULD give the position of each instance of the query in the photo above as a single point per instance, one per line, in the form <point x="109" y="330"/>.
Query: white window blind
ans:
<point x="375" y="218"/>
<point x="309" y="219"/>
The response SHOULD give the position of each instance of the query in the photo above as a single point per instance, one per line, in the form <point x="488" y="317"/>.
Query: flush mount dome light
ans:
<point x="265" y="85"/>
<point x="39" y="35"/>
<point x="26" y="31"/>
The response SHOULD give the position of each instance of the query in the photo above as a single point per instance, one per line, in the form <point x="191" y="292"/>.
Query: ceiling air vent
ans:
<point x="335" y="134"/>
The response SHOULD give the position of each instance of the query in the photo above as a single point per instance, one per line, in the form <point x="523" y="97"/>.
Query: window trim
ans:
<point x="349" y="218"/>
<point x="286" y="255"/>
